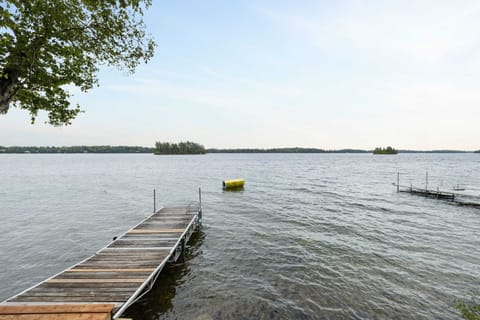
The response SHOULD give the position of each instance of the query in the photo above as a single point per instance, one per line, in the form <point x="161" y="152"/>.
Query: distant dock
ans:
<point x="428" y="193"/>
<point x="455" y="197"/>
<point x="104" y="285"/>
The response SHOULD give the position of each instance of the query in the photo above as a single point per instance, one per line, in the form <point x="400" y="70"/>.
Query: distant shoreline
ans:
<point x="313" y="150"/>
<point x="137" y="149"/>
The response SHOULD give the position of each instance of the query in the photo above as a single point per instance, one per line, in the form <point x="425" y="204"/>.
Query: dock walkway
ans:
<point x="428" y="193"/>
<point x="114" y="277"/>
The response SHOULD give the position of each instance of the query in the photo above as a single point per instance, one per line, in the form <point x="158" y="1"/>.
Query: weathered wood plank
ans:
<point x="111" y="270"/>
<point x="156" y="231"/>
<point x="128" y="256"/>
<point x="133" y="244"/>
<point x="98" y="275"/>
<point x="59" y="316"/>
<point x="166" y="223"/>
<point x="77" y="290"/>
<point x="109" y="298"/>
<point x="115" y="295"/>
<point x="155" y="252"/>
<point x="124" y="265"/>
<point x="140" y="241"/>
<point x="147" y="237"/>
<point x="133" y="249"/>
<point x="74" y="285"/>
<point x="185" y="219"/>
<point x="122" y="256"/>
<point x="124" y="280"/>
<point x="62" y="308"/>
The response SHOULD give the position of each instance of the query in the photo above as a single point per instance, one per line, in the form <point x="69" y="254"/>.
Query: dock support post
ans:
<point x="183" y="250"/>
<point x="200" y="205"/>
<point x="398" y="181"/>
<point x="154" y="201"/>
<point x="200" y="197"/>
<point x="426" y="180"/>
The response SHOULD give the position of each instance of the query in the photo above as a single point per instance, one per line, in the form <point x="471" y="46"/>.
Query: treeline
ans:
<point x="187" y="147"/>
<point x="315" y="150"/>
<point x="435" y="151"/>
<point x="191" y="148"/>
<point x="77" y="149"/>
<point x="285" y="150"/>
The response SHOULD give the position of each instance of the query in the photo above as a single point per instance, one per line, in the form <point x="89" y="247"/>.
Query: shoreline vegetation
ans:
<point x="198" y="149"/>
<point x="76" y="149"/>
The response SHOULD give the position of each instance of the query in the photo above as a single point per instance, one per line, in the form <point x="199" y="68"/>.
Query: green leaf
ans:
<point x="48" y="45"/>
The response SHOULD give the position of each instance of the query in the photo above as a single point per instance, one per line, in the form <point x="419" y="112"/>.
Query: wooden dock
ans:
<point x="462" y="199"/>
<point x="437" y="194"/>
<point x="104" y="285"/>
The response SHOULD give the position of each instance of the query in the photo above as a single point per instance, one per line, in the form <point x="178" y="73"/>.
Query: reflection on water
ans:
<point x="159" y="300"/>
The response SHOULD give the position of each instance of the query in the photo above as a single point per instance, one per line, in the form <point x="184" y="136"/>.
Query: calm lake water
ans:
<point x="312" y="236"/>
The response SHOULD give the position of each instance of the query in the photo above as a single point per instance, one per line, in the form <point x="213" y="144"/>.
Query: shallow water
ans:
<point x="312" y="236"/>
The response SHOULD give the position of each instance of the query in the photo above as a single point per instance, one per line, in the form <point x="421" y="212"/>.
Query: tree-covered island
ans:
<point x="387" y="150"/>
<point x="187" y="147"/>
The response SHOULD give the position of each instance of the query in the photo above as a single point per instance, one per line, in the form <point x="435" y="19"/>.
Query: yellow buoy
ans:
<point x="233" y="184"/>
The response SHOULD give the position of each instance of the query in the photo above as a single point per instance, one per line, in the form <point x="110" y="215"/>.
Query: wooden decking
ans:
<point x="428" y="193"/>
<point x="119" y="274"/>
<point x="58" y="312"/>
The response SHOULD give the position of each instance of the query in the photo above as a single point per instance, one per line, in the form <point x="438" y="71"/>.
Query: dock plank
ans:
<point x="124" y="280"/>
<point x="110" y="270"/>
<point x="57" y="312"/>
<point x="157" y="230"/>
<point x="71" y="299"/>
<point x="48" y="309"/>
<point x="59" y="316"/>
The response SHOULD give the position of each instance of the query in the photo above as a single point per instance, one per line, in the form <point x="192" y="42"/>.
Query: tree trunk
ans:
<point x="8" y="88"/>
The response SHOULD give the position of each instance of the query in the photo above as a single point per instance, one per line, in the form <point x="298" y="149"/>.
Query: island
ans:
<point x="188" y="147"/>
<point x="387" y="150"/>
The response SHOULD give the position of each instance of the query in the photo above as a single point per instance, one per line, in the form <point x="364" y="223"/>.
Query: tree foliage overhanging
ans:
<point x="47" y="45"/>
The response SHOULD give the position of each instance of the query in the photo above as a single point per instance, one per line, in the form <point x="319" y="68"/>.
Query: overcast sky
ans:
<point x="326" y="74"/>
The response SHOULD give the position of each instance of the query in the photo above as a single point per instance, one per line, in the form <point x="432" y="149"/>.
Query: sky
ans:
<point x="264" y="74"/>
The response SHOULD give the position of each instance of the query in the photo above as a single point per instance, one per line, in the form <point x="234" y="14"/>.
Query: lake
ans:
<point x="312" y="236"/>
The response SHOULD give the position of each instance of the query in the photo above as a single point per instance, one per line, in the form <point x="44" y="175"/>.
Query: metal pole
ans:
<point x="154" y="201"/>
<point x="200" y="204"/>
<point x="398" y="181"/>
<point x="200" y="197"/>
<point x="426" y="180"/>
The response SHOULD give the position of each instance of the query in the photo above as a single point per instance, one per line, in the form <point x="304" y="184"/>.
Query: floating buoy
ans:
<point x="233" y="184"/>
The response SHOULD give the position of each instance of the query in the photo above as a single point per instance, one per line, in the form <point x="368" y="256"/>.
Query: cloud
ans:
<point x="425" y="31"/>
